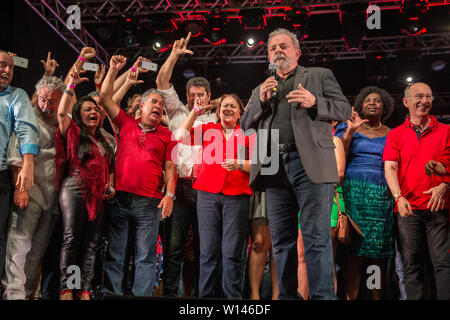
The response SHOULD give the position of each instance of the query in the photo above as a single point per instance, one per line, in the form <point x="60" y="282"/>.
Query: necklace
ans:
<point x="365" y="125"/>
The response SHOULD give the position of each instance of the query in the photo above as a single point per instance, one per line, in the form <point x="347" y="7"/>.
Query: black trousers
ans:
<point x="80" y="236"/>
<point x="176" y="231"/>
<point x="424" y="233"/>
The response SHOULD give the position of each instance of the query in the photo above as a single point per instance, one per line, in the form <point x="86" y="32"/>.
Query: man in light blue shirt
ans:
<point x="15" y="113"/>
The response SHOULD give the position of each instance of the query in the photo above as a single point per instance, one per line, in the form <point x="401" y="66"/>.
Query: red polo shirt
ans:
<point x="141" y="157"/>
<point x="212" y="176"/>
<point x="445" y="157"/>
<point x="412" y="154"/>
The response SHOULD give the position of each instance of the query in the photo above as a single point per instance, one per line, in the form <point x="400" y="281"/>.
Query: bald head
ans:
<point x="6" y="70"/>
<point x="416" y="84"/>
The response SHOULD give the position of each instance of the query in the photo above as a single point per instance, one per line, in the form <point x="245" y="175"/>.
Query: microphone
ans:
<point x="273" y="72"/>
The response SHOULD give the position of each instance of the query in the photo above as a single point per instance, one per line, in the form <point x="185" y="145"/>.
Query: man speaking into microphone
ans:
<point x="305" y="102"/>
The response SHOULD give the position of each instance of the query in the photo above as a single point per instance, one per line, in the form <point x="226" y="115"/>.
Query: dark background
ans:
<point x="26" y="34"/>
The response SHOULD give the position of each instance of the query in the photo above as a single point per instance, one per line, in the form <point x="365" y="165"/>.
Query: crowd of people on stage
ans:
<point x="245" y="199"/>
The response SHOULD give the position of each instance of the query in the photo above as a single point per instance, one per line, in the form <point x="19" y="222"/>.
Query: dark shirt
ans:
<point x="282" y="111"/>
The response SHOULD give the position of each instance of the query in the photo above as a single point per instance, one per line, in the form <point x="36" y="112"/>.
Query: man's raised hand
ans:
<point x="49" y="65"/>
<point x="180" y="46"/>
<point x="117" y="62"/>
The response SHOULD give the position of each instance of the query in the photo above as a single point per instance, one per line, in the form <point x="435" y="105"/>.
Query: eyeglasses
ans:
<point x="44" y="101"/>
<point x="421" y="96"/>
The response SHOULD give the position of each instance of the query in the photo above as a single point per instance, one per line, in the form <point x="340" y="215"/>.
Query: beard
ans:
<point x="283" y="62"/>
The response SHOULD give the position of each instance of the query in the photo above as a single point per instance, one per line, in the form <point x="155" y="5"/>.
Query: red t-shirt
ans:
<point x="212" y="176"/>
<point x="412" y="154"/>
<point x="141" y="157"/>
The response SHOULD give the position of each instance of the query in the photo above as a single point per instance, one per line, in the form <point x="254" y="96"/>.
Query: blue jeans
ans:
<point x="222" y="224"/>
<point x="314" y="201"/>
<point x="143" y="213"/>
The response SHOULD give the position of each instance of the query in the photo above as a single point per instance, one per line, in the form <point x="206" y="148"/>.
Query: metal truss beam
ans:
<point x="190" y="9"/>
<point x="54" y="13"/>
<point x="425" y="44"/>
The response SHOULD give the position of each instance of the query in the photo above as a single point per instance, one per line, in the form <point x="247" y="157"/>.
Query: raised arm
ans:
<point x="132" y="79"/>
<point x="98" y="77"/>
<point x="137" y="66"/>
<point x="187" y="124"/>
<point x="65" y="104"/>
<point x="352" y="125"/>
<point x="49" y="70"/>
<point x="165" y="72"/>
<point x="106" y="92"/>
<point x="86" y="53"/>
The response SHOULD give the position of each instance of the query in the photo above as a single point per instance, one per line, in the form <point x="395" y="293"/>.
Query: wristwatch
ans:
<point x="171" y="195"/>
<point x="397" y="196"/>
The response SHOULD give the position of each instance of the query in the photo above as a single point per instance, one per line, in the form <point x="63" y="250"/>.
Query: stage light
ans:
<point x="409" y="80"/>
<point x="438" y="65"/>
<point x="130" y="40"/>
<point x="352" y="17"/>
<point x="156" y="45"/>
<point x="188" y="73"/>
<point x="250" y="43"/>
<point x="414" y="12"/>
<point x="214" y="31"/>
<point x="253" y="18"/>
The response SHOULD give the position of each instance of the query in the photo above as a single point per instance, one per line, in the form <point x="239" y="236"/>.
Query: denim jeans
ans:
<point x="5" y="196"/>
<point x="177" y="226"/>
<point x="143" y="213"/>
<point x="222" y="224"/>
<point x="314" y="201"/>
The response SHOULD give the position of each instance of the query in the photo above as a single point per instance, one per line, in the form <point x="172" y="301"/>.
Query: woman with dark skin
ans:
<point x="366" y="194"/>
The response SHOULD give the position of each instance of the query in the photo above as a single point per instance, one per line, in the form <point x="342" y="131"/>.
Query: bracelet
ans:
<point x="398" y="199"/>
<point x="71" y="86"/>
<point x="68" y="92"/>
<point x="133" y="69"/>
<point x="98" y="85"/>
<point x="82" y="59"/>
<point x="197" y="109"/>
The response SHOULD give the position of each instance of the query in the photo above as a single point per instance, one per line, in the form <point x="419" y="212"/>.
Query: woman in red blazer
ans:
<point x="223" y="195"/>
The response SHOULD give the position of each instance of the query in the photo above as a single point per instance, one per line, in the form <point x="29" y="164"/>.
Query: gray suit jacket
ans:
<point x="312" y="127"/>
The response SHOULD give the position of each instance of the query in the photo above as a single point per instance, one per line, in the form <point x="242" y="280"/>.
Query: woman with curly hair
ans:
<point x="366" y="194"/>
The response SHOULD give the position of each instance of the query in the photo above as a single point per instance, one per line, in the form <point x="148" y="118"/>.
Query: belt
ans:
<point x="186" y="181"/>
<point x="287" y="147"/>
<point x="128" y="194"/>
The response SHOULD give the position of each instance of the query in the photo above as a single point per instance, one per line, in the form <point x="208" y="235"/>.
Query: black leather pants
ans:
<point x="80" y="237"/>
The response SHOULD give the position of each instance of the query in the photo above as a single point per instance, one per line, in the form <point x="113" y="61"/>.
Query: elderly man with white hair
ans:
<point x="35" y="212"/>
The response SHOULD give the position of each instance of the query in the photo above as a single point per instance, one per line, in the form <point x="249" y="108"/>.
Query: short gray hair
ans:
<point x="94" y="94"/>
<point x="286" y="32"/>
<point x="51" y="83"/>
<point x="149" y="92"/>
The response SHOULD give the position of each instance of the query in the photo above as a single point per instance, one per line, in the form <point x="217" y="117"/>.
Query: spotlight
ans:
<point x="130" y="40"/>
<point x="409" y="80"/>
<point x="253" y="18"/>
<point x="214" y="29"/>
<point x="250" y="43"/>
<point x="156" y="45"/>
<point x="353" y="19"/>
<point x="414" y="12"/>
<point x="188" y="73"/>
<point x="438" y="65"/>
